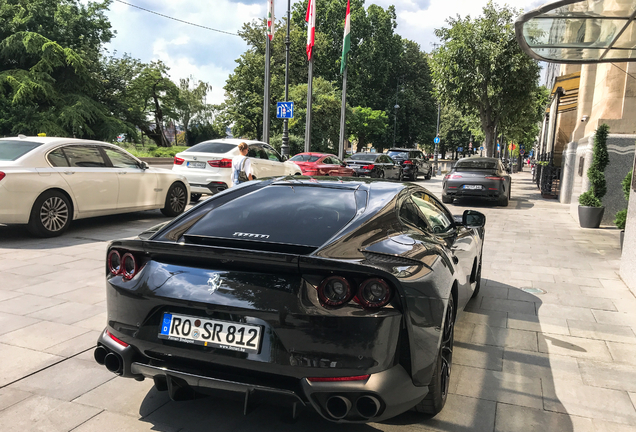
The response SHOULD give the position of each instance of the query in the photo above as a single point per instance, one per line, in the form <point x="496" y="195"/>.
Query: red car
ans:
<point x="321" y="164"/>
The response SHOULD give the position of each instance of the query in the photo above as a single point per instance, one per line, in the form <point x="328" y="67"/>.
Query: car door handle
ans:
<point x="69" y="172"/>
<point x="122" y="172"/>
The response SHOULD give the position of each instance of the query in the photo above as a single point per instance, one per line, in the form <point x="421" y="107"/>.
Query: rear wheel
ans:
<point x="175" y="200"/>
<point x="503" y="202"/>
<point x="381" y="174"/>
<point x="438" y="388"/>
<point x="195" y="197"/>
<point x="428" y="176"/>
<point x="51" y="214"/>
<point x="414" y="175"/>
<point x="446" y="199"/>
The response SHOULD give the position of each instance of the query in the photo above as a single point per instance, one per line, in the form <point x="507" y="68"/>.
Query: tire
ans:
<point x="428" y="176"/>
<point x="446" y="199"/>
<point x="401" y="176"/>
<point x="503" y="202"/>
<point x="194" y="197"/>
<point x="414" y="175"/>
<point x="438" y="388"/>
<point x="51" y="214"/>
<point x="477" y="282"/>
<point x="176" y="200"/>
<point x="381" y="175"/>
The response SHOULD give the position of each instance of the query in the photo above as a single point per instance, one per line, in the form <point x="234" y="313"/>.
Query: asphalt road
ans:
<point x="559" y="358"/>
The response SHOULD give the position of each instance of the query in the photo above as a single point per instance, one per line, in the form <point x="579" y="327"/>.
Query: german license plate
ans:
<point x="196" y="164"/>
<point x="472" y="186"/>
<point x="213" y="333"/>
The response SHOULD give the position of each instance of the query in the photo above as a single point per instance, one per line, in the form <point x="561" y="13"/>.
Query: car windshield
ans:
<point x="399" y="154"/>
<point x="305" y="158"/>
<point x="312" y="215"/>
<point x="212" y="147"/>
<point x="477" y="164"/>
<point x="364" y="156"/>
<point x="11" y="150"/>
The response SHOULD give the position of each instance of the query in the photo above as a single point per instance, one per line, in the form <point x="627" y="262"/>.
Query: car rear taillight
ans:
<point x="334" y="291"/>
<point x="178" y="161"/>
<point x="337" y="379"/>
<point x="2" y="175"/>
<point x="373" y="293"/>
<point x="116" y="339"/>
<point x="220" y="163"/>
<point x="124" y="263"/>
<point x="452" y="176"/>
<point x="408" y="162"/>
<point x="368" y="167"/>
<point x="495" y="178"/>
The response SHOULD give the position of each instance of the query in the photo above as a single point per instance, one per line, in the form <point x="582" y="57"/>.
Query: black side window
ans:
<point x="57" y="158"/>
<point x="410" y="216"/>
<point x="253" y="151"/>
<point x="84" y="157"/>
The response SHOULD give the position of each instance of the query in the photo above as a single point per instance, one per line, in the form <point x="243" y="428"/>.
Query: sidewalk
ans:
<point x="559" y="356"/>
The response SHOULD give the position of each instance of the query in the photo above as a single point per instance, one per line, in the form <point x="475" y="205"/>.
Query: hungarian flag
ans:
<point x="311" y="28"/>
<point x="346" y="42"/>
<point x="270" y="19"/>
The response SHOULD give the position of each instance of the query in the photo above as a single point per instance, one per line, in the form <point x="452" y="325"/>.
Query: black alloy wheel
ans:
<point x="428" y="175"/>
<point x="414" y="175"/>
<point x="51" y="214"/>
<point x="176" y="199"/>
<point x="438" y="388"/>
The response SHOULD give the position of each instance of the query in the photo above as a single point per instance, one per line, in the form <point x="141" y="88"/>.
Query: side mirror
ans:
<point x="284" y="158"/>
<point x="473" y="219"/>
<point x="144" y="165"/>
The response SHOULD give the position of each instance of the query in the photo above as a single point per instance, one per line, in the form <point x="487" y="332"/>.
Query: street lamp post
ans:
<point x="284" y="148"/>
<point x="436" y="144"/>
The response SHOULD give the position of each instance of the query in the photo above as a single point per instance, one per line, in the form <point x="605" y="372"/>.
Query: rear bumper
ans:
<point x="209" y="188"/>
<point x="392" y="390"/>
<point x="491" y="195"/>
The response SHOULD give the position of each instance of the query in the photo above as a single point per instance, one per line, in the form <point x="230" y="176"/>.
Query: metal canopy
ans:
<point x="580" y="31"/>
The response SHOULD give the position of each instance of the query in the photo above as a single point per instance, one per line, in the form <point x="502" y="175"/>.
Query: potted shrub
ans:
<point x="590" y="205"/>
<point x="621" y="216"/>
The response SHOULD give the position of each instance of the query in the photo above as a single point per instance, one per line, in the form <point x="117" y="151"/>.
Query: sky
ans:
<point x="210" y="56"/>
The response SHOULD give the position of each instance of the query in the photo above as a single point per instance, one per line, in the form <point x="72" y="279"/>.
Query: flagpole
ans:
<point x="267" y="92"/>
<point x="310" y="82"/>
<point x="343" y="113"/>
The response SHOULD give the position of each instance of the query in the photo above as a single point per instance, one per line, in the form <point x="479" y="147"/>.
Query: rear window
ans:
<point x="364" y="156"/>
<point x="479" y="164"/>
<point x="398" y="154"/>
<point x="212" y="147"/>
<point x="13" y="150"/>
<point x="311" y="216"/>
<point x="305" y="158"/>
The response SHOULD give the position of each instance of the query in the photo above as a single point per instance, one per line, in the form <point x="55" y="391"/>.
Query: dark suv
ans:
<point x="413" y="162"/>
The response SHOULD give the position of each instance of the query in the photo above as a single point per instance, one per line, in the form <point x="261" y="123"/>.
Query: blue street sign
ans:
<point x="481" y="148"/>
<point x="436" y="140"/>
<point x="460" y="148"/>
<point x="498" y="147"/>
<point x="285" y="110"/>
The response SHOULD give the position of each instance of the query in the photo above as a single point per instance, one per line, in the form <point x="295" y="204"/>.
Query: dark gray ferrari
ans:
<point x="339" y="295"/>
<point x="477" y="177"/>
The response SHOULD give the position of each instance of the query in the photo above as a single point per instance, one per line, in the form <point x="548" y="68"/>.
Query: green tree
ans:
<point x="366" y="126"/>
<point x="190" y="102"/>
<point x="49" y="68"/>
<point x="480" y="68"/>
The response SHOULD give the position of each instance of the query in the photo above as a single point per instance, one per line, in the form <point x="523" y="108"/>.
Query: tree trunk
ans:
<point x="489" y="143"/>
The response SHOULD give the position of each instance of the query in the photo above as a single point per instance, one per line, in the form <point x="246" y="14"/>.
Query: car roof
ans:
<point x="478" y="159"/>
<point x="235" y="141"/>
<point x="403" y="149"/>
<point x="314" y="154"/>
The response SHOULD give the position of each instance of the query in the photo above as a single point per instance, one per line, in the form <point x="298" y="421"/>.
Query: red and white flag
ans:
<point x="311" y="28"/>
<point x="270" y="19"/>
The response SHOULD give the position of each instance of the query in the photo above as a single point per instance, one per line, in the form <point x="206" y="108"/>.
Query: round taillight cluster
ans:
<point x="372" y="293"/>
<point x="125" y="265"/>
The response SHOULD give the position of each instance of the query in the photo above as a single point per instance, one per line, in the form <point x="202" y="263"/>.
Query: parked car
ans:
<point x="477" y="177"/>
<point x="413" y="162"/>
<point x="336" y="294"/>
<point x="375" y="165"/>
<point x="321" y="164"/>
<point x="208" y="165"/>
<point x="46" y="182"/>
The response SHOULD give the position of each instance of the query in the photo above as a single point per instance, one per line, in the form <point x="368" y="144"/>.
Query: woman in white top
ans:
<point x="241" y="163"/>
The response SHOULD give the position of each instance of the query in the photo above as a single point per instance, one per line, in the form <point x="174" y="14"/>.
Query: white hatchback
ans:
<point x="46" y="182"/>
<point x="208" y="165"/>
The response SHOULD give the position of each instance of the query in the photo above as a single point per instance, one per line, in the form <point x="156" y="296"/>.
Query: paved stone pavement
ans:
<point x="564" y="360"/>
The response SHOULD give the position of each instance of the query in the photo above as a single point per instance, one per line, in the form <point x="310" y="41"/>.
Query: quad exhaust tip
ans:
<point x="100" y="354"/>
<point x="338" y="407"/>
<point x="113" y="363"/>
<point x="368" y="406"/>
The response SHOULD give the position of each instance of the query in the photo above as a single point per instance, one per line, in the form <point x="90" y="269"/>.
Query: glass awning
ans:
<point x="580" y="31"/>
